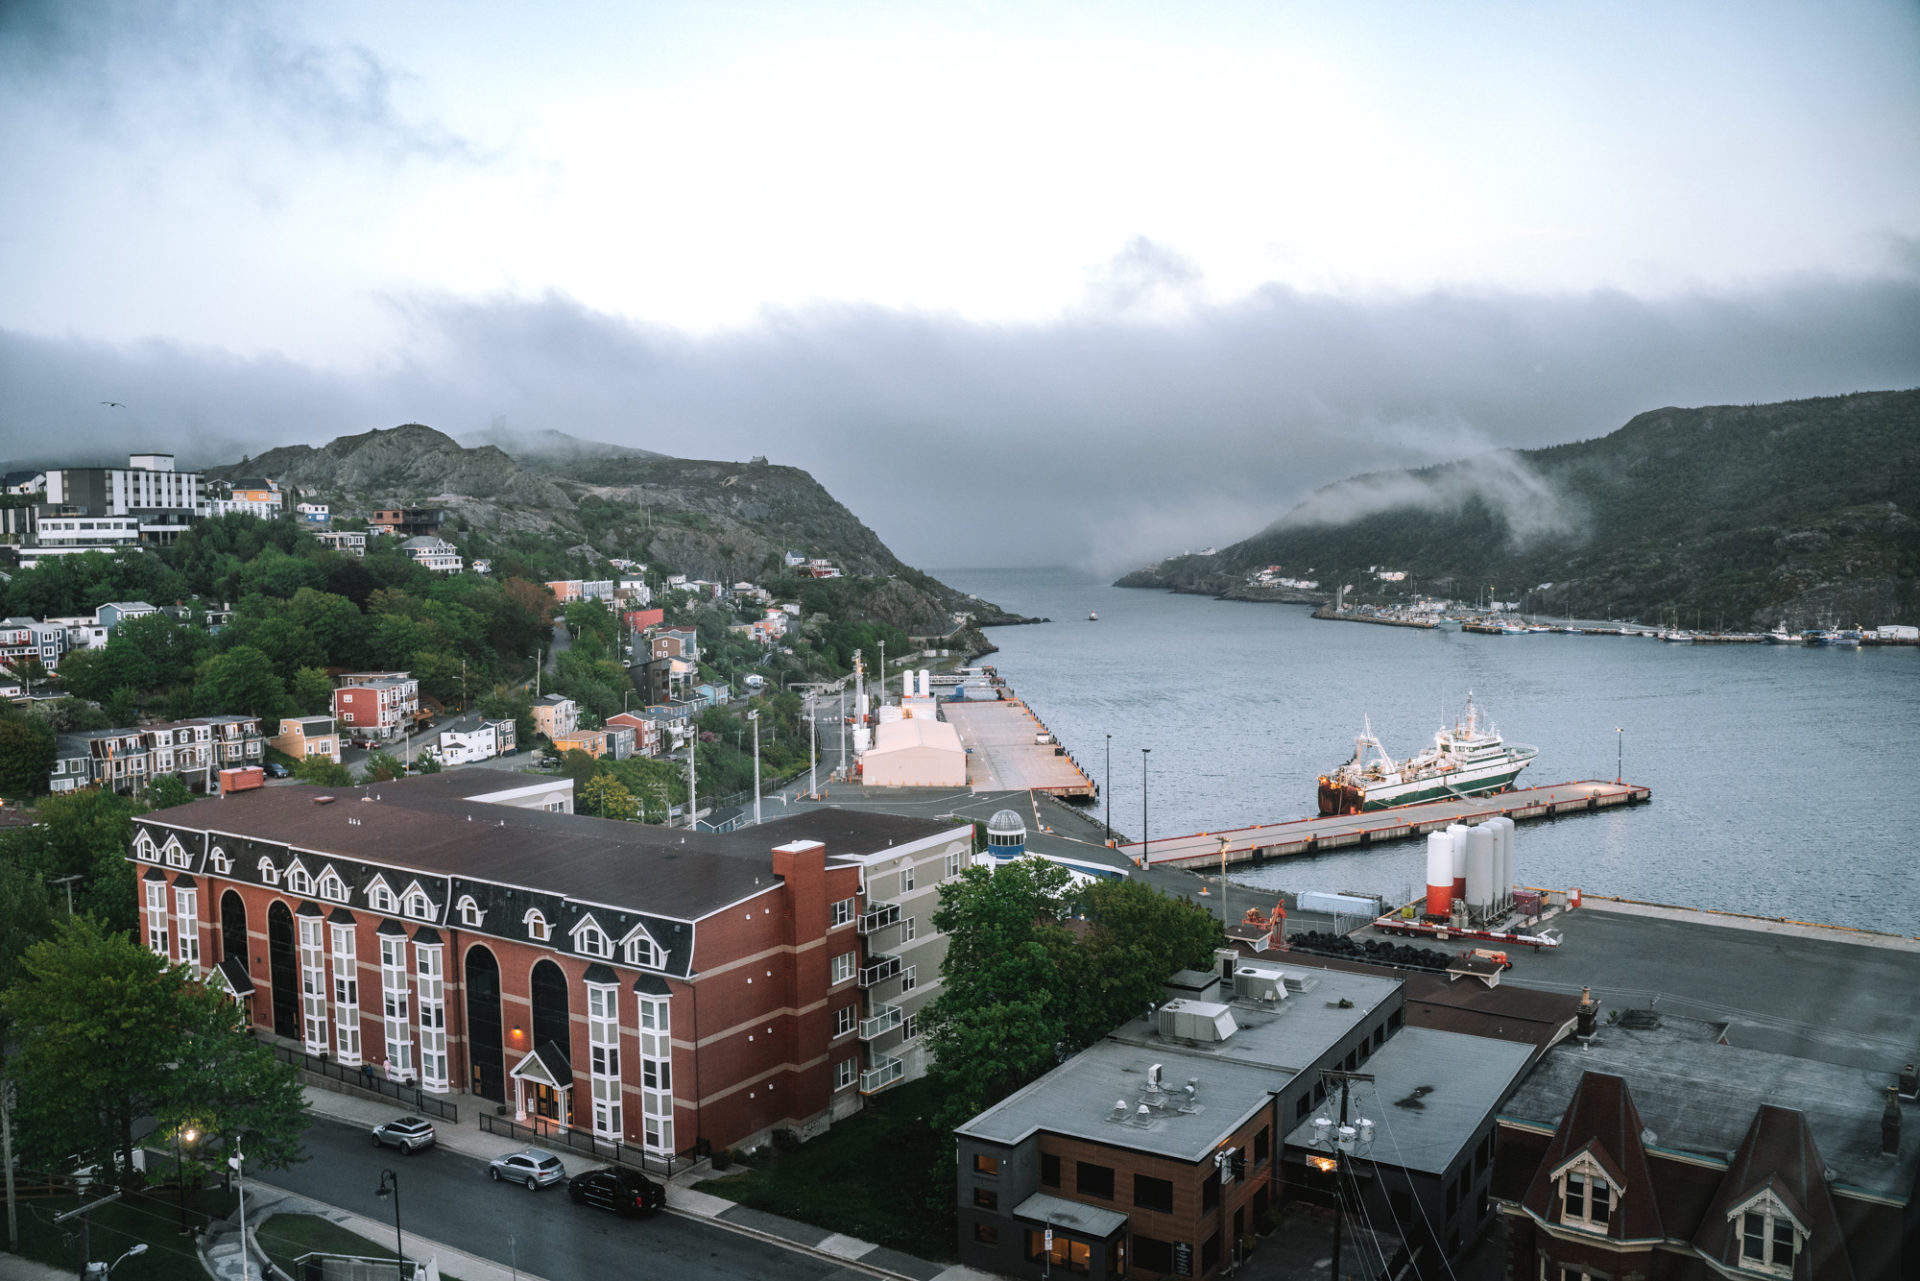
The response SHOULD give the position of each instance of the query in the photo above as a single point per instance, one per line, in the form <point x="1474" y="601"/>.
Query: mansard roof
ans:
<point x="1778" y="1156"/>
<point x="1601" y="1117"/>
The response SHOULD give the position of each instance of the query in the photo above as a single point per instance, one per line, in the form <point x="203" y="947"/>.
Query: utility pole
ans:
<point x="86" y="1240"/>
<point x="6" y="1154"/>
<point x="813" y="741"/>
<point x="753" y="719"/>
<point x="68" y="882"/>
<point x="1107" y="791"/>
<point x="693" y="774"/>
<point x="1344" y="1141"/>
<point x="1146" y="844"/>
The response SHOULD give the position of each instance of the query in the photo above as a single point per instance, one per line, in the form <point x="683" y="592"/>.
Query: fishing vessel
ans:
<point x="1466" y="759"/>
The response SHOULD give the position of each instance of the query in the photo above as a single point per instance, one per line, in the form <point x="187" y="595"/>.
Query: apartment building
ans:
<point x="376" y="704"/>
<point x="304" y="736"/>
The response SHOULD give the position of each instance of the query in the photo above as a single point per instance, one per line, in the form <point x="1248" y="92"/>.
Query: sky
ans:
<point x="1021" y="283"/>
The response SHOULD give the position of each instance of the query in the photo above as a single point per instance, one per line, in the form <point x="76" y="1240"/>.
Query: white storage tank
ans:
<point x="1457" y="833"/>
<point x="1503" y="881"/>
<point x="926" y="683"/>
<point x="1439" y="874"/>
<point x="1479" y="869"/>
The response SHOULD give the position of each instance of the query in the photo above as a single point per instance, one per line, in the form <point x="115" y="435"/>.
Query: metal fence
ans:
<point x="369" y="1082"/>
<point x="549" y="1135"/>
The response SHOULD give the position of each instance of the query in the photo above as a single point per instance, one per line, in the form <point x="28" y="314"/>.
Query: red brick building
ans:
<point x="655" y="986"/>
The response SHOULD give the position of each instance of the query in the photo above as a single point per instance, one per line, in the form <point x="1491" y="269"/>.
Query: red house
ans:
<point x="661" y="988"/>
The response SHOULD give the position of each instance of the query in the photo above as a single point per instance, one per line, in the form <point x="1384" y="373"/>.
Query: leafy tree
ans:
<point x="227" y="1083"/>
<point x="579" y="766"/>
<point x="1137" y="936"/>
<point x="510" y="702"/>
<point x="26" y="757"/>
<point x="429" y="764"/>
<point x="382" y="767"/>
<point x="29" y="671"/>
<point x="122" y="706"/>
<point x="68" y="715"/>
<point x="167" y="791"/>
<point x="312" y="691"/>
<point x="604" y="796"/>
<point x="321" y="771"/>
<point x="240" y="680"/>
<point x="86" y="834"/>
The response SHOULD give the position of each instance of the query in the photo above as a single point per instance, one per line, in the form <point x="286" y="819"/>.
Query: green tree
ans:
<point x="1137" y="936"/>
<point x="26" y="757"/>
<point x="1004" y="1010"/>
<point x="604" y="796"/>
<point x="84" y="834"/>
<point x="167" y="791"/>
<point x="240" y="680"/>
<point x="579" y="766"/>
<point x="312" y="691"/>
<point x="321" y="771"/>
<point x="510" y="703"/>
<point x="122" y="707"/>
<point x="381" y="767"/>
<point x="227" y="1083"/>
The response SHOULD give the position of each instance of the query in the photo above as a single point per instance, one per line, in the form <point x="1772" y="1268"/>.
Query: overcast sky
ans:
<point x="1022" y="283"/>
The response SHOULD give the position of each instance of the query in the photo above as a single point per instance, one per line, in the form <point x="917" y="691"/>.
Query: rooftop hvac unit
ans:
<point x="1195" y="1020"/>
<point x="1253" y="981"/>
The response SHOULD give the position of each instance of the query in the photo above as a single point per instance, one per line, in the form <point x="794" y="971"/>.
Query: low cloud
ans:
<point x="1528" y="503"/>
<point x="1105" y="441"/>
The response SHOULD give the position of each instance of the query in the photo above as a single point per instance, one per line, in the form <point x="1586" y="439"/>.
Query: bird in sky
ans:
<point x="113" y="404"/>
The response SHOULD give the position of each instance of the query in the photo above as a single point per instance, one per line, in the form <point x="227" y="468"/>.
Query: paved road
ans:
<point x="446" y="1196"/>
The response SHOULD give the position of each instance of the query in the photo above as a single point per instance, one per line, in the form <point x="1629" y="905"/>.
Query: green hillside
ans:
<point x="1741" y="516"/>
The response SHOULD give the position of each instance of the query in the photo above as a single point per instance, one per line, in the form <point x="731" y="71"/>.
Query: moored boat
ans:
<point x="1465" y="760"/>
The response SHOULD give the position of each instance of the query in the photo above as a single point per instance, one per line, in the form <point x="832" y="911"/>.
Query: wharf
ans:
<point x="1329" y="613"/>
<point x="1004" y="754"/>
<point x="1315" y="835"/>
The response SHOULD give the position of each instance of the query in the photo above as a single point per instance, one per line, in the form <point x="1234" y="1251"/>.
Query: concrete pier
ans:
<point x="1344" y="831"/>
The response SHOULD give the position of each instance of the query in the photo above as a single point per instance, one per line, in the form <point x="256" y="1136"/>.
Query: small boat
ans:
<point x="1092" y="617"/>
<point x="1677" y="638"/>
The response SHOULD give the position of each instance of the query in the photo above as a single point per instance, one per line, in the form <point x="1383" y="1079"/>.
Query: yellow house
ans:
<point x="304" y="736"/>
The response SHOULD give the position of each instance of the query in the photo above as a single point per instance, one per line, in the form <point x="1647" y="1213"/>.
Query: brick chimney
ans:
<point x="1890" y="1123"/>
<point x="1589" y="1013"/>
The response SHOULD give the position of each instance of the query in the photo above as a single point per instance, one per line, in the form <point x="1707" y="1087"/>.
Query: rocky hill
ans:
<point x="585" y="501"/>
<point x="1806" y="512"/>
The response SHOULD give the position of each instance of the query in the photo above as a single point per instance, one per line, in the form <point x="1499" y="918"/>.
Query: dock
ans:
<point x="1330" y="614"/>
<point x="1345" y="831"/>
<point x="1004" y="753"/>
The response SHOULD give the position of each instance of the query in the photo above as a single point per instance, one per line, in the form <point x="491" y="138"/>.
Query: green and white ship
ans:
<point x="1465" y="760"/>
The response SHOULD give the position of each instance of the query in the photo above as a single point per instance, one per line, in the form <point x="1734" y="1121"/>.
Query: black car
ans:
<point x="275" y="769"/>
<point x="626" y="1192"/>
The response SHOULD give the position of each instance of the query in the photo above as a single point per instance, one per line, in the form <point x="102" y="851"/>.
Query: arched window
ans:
<point x="537" y="927"/>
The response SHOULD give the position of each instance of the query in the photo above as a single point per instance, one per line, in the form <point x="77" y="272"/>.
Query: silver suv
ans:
<point x="408" y="1133"/>
<point x="532" y="1167"/>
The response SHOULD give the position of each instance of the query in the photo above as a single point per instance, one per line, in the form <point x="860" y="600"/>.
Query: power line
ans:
<point x="1418" y="1202"/>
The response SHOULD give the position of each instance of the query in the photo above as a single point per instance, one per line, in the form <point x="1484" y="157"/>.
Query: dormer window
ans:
<point x="1770" y="1235"/>
<point x="269" y="874"/>
<point x="380" y="898"/>
<point x="144" y="848"/>
<point x="1587" y="1195"/>
<point x="470" y="913"/>
<point x="537" y="927"/>
<point x="332" y="887"/>
<point x="642" y="951"/>
<point x="298" y="881"/>
<point x="417" y="904"/>
<point x="590" y="940"/>
<point x="221" y="863"/>
<point x="176" y="853"/>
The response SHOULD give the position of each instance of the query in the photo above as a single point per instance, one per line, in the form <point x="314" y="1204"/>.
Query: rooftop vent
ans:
<point x="1206" y="1021"/>
<point x="323" y="800"/>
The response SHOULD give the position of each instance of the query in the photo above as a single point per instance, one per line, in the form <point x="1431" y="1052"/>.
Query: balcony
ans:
<point x="878" y="916"/>
<point x="883" y="968"/>
<point x="885" y="1019"/>
<point x="884" y="1073"/>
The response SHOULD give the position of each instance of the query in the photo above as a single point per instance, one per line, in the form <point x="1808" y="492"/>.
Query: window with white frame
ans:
<point x="644" y="952"/>
<point x="1770" y="1236"/>
<point x="843" y="966"/>
<point x="176" y="853"/>
<point x="143" y="846"/>
<point x="910" y="1027"/>
<point x="313" y="985"/>
<point x="397" y="1025"/>
<point x="953" y="863"/>
<point x="331" y="887"/>
<point x="590" y="940"/>
<point x="537" y="927"/>
<point x="298" y="881"/>
<point x="603" y="1044"/>
<point x="909" y="979"/>
<point x="845" y="1018"/>
<point x="842" y="912"/>
<point x="844" y="1072"/>
<point x="432" y="993"/>
<point x="186" y="910"/>
<point x="269" y="874"/>
<point x="656" y="1074"/>
<point x="470" y="913"/>
<point x="1586" y="1195"/>
<point x="346" y="996"/>
<point x="221" y="863"/>
<point x="909" y="929"/>
<point x="157" y="918"/>
<point x="417" y="904"/>
<point x="906" y="878"/>
<point x="380" y="898"/>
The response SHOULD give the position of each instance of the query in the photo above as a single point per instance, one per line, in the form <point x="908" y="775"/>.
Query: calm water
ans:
<point x="1786" y="781"/>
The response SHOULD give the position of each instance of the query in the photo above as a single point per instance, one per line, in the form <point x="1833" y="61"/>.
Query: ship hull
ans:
<point x="1339" y="798"/>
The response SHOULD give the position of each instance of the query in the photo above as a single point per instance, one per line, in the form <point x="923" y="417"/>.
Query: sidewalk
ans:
<point x="467" y="1137"/>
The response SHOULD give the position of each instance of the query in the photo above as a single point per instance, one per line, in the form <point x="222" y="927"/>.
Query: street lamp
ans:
<point x="101" y="1271"/>
<point x="182" y="1140"/>
<point x="1109" y="787"/>
<point x="390" y="1187"/>
<point x="753" y="719"/>
<point x="240" y="1187"/>
<point x="1619" y="753"/>
<point x="1146" y="845"/>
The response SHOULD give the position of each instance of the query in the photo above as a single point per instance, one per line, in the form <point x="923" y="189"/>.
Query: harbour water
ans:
<point x="1786" y="780"/>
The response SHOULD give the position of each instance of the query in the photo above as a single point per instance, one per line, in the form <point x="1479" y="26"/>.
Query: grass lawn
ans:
<point x="152" y="1217"/>
<point x="285" y="1237"/>
<point x="883" y="1176"/>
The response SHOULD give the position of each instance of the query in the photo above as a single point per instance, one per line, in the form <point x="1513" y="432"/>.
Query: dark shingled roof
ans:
<point x="425" y="825"/>
<point x="1778" y="1156"/>
<point x="1602" y="1121"/>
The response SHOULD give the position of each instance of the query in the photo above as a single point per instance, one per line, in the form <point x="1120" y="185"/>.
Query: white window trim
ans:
<point x="537" y="927"/>
<point x="416" y="903"/>
<point x="470" y="913"/>
<point x="380" y="896"/>
<point x="845" y="1073"/>
<point x="299" y="880"/>
<point x="845" y="966"/>
<point x="331" y="887"/>
<point x="590" y="940"/>
<point x="641" y="949"/>
<point x="844" y="913"/>
<point x="269" y="874"/>
<point x="1589" y="1170"/>
<point x="1769" y="1208"/>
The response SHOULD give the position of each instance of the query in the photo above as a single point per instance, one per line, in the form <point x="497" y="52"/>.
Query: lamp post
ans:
<point x="1146" y="844"/>
<point x="240" y="1187"/>
<point x="390" y="1187"/>
<point x="102" y="1271"/>
<point x="182" y="1140"/>
<point x="1619" y="753"/>
<point x="1108" y="789"/>
<point x="1224" y="842"/>
<point x="753" y="719"/>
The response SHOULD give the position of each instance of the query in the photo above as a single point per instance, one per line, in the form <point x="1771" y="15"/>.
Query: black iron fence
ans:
<point x="547" y="1134"/>
<point x="367" y="1081"/>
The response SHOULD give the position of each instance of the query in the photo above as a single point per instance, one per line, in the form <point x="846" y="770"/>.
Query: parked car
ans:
<point x="626" y="1192"/>
<point x="408" y="1133"/>
<point x="275" y="769"/>
<point x="532" y="1167"/>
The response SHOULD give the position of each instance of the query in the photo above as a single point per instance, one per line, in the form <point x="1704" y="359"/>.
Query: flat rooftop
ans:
<point x="426" y="825"/>
<point x="1430" y="1092"/>
<point x="1698" y="1095"/>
